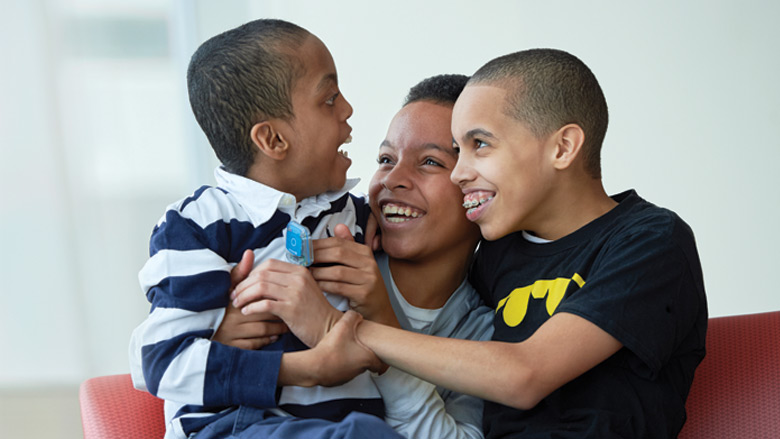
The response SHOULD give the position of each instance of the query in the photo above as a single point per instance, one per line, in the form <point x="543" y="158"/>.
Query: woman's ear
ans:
<point x="269" y="140"/>
<point x="568" y="145"/>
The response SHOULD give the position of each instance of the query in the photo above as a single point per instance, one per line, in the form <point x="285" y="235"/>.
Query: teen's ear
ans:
<point x="569" y="140"/>
<point x="269" y="140"/>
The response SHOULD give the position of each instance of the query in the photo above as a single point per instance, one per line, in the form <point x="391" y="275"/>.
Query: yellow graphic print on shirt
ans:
<point x="516" y="303"/>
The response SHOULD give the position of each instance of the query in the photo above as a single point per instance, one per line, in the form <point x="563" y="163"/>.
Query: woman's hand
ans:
<point x="355" y="275"/>
<point x="289" y="292"/>
<point x="247" y="332"/>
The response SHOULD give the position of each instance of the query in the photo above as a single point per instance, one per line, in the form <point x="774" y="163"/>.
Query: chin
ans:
<point x="396" y="249"/>
<point x="490" y="233"/>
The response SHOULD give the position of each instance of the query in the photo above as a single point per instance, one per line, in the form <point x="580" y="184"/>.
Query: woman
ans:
<point x="428" y="244"/>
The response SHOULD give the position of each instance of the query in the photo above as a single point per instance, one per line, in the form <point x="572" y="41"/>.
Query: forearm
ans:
<point x="514" y="374"/>
<point x="459" y="365"/>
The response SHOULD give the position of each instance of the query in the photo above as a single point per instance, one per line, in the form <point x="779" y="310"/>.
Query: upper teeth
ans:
<point x="468" y="204"/>
<point x="348" y="139"/>
<point x="392" y="209"/>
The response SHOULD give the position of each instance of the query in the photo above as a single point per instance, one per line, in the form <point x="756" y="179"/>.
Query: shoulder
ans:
<point x="644" y="221"/>
<point x="205" y="206"/>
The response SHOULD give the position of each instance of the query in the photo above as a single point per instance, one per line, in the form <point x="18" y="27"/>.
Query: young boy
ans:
<point x="266" y="95"/>
<point x="600" y="309"/>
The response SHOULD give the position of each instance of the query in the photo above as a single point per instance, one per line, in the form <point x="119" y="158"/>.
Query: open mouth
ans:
<point x="475" y="201"/>
<point x="347" y="141"/>
<point x="398" y="213"/>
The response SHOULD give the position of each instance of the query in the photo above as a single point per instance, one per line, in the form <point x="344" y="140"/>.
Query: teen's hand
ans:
<point x="355" y="275"/>
<point x="289" y="292"/>
<point x="341" y="356"/>
<point x="373" y="233"/>
<point x="247" y="332"/>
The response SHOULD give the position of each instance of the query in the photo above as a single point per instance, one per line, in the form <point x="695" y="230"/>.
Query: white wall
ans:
<point x="93" y="149"/>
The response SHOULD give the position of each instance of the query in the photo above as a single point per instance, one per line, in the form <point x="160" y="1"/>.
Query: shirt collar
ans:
<point x="261" y="201"/>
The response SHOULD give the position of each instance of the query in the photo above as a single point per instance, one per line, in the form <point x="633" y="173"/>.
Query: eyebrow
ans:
<point x="425" y="146"/>
<point x="330" y="78"/>
<point x="478" y="132"/>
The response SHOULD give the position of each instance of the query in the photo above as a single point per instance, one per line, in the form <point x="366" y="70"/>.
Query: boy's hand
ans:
<point x="341" y="356"/>
<point x="289" y="292"/>
<point x="355" y="275"/>
<point x="247" y="332"/>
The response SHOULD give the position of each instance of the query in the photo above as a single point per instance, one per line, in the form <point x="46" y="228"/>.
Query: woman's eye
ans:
<point x="432" y="162"/>
<point x="383" y="160"/>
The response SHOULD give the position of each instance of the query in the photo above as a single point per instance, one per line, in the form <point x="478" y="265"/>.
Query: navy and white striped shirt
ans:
<point x="186" y="279"/>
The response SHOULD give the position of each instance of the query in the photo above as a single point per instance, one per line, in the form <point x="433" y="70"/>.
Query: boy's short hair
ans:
<point x="548" y="89"/>
<point x="442" y="89"/>
<point x="241" y="77"/>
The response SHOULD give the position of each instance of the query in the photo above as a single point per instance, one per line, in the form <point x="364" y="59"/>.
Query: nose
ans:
<point x="397" y="177"/>
<point x="346" y="109"/>
<point x="461" y="173"/>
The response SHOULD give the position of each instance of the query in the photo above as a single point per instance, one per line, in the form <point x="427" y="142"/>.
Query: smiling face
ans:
<point x="504" y="171"/>
<point x="319" y="126"/>
<point x="418" y="207"/>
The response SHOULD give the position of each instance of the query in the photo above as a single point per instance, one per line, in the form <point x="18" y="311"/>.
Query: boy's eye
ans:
<point x="383" y="160"/>
<point x="332" y="99"/>
<point x="478" y="144"/>
<point x="431" y="162"/>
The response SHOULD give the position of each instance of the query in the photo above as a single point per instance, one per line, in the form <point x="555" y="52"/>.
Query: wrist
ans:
<point x="299" y="369"/>
<point x="330" y="319"/>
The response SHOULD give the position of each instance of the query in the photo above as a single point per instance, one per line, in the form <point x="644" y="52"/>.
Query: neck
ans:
<point x="430" y="283"/>
<point x="572" y="206"/>
<point x="274" y="175"/>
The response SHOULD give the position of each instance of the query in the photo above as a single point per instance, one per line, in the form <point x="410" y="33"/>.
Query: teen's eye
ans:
<point x="332" y="99"/>
<point x="431" y="162"/>
<point x="479" y="144"/>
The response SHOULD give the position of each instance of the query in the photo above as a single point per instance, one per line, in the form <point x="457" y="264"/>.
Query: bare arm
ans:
<point x="520" y="374"/>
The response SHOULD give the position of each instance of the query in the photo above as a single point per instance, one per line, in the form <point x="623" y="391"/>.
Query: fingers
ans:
<point x="242" y="269"/>
<point x="253" y="344"/>
<point x="342" y="231"/>
<point x="260" y="330"/>
<point x="351" y="320"/>
<point x="340" y="273"/>
<point x="340" y="252"/>
<point x="268" y="280"/>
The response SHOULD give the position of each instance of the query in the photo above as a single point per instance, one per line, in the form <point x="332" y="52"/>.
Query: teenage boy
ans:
<point x="600" y="309"/>
<point x="266" y="95"/>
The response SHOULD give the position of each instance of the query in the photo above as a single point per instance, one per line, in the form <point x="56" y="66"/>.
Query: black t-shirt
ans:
<point x="635" y="273"/>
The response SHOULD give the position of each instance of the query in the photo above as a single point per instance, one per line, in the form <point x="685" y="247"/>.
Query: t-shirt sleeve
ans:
<point x="642" y="291"/>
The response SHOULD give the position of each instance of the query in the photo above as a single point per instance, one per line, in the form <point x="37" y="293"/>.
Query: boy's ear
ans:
<point x="269" y="140"/>
<point x="568" y="145"/>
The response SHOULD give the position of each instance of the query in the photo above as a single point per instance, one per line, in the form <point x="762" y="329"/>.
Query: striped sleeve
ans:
<point x="186" y="280"/>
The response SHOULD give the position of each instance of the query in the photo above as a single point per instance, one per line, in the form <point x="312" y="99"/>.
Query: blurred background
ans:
<point x="97" y="138"/>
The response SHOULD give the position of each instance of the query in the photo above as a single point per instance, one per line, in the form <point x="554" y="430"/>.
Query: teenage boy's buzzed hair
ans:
<point x="442" y="89"/>
<point x="548" y="89"/>
<point x="241" y="77"/>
